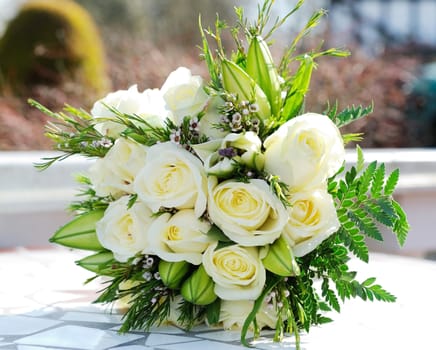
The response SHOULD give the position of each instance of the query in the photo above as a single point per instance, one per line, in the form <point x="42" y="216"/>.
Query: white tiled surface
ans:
<point x="44" y="305"/>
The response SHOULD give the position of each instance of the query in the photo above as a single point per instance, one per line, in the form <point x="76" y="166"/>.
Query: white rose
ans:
<point x="237" y="271"/>
<point x="312" y="219"/>
<point x="123" y="230"/>
<point x="172" y="177"/>
<point x="304" y="151"/>
<point x="115" y="172"/>
<point x="153" y="109"/>
<point x="148" y="105"/>
<point x="181" y="237"/>
<point x="233" y="314"/>
<point x="184" y="94"/>
<point x="248" y="213"/>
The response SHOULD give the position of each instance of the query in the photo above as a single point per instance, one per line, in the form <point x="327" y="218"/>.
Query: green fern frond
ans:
<point x="391" y="182"/>
<point x="352" y="114"/>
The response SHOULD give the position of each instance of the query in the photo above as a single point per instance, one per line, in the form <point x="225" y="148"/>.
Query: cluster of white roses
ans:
<point x="199" y="189"/>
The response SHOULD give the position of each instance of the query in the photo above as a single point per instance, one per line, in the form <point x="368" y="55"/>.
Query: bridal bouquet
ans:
<point x="222" y="201"/>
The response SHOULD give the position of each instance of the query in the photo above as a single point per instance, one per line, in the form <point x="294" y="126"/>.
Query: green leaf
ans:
<point x="355" y="241"/>
<point x="80" y="232"/>
<point x="378" y="181"/>
<point x="374" y="209"/>
<point x="299" y="87"/>
<point x="269" y="285"/>
<point x="352" y="114"/>
<point x="391" y="182"/>
<point x="208" y="57"/>
<point x="375" y="291"/>
<point x="100" y="263"/>
<point x="401" y="226"/>
<point x="360" y="159"/>
<point x="311" y="23"/>
<point x="329" y="295"/>
<point x="213" y="312"/>
<point x="366" y="178"/>
<point x="368" y="282"/>
<point x="365" y="224"/>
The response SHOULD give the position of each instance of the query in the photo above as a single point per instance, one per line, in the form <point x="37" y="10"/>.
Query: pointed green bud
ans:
<point x="80" y="232"/>
<point x="238" y="82"/>
<point x="260" y="66"/>
<point x="100" y="263"/>
<point x="280" y="259"/>
<point x="172" y="273"/>
<point x="199" y="288"/>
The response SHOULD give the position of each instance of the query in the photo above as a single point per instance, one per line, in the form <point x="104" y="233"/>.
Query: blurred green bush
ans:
<point x="49" y="42"/>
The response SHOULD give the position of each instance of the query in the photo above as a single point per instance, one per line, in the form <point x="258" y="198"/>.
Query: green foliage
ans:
<point x="270" y="284"/>
<point x="49" y="41"/>
<point x="349" y="114"/>
<point x="299" y="86"/>
<point x="72" y="131"/>
<point x="364" y="200"/>
<point x="259" y="67"/>
<point x="147" y="307"/>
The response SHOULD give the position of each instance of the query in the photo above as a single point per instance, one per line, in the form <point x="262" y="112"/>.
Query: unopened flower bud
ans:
<point x="172" y="273"/>
<point x="199" y="288"/>
<point x="280" y="259"/>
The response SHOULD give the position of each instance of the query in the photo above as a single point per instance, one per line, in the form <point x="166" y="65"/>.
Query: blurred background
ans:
<point x="75" y="52"/>
<point x="393" y="45"/>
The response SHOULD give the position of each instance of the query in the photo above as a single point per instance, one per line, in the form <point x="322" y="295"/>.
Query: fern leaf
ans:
<point x="386" y="205"/>
<point x="401" y="226"/>
<point x="378" y="214"/>
<point x="365" y="224"/>
<point x="378" y="181"/>
<point x="360" y="159"/>
<point x="330" y="296"/>
<point x="344" y="289"/>
<point x="366" y="178"/>
<point x="391" y="182"/>
<point x="380" y="293"/>
<point x="351" y="114"/>
<point x="355" y="241"/>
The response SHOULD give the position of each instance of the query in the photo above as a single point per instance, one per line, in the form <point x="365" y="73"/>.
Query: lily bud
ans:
<point x="199" y="288"/>
<point x="80" y="232"/>
<point x="99" y="262"/>
<point x="280" y="259"/>
<point x="237" y="81"/>
<point x="172" y="273"/>
<point x="260" y="66"/>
